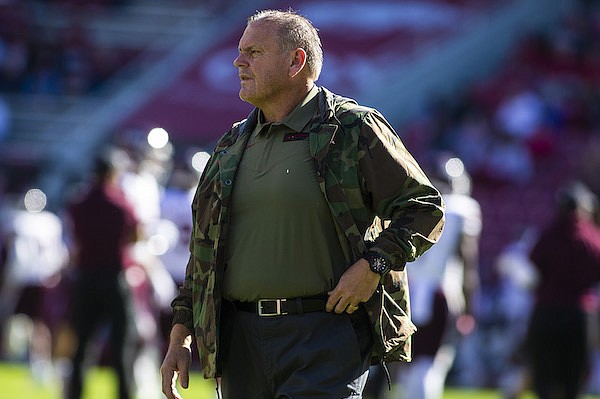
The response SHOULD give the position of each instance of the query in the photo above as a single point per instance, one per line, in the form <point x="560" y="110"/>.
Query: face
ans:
<point x="263" y="69"/>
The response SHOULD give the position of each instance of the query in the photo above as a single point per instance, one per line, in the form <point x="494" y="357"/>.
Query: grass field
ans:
<point x="16" y="382"/>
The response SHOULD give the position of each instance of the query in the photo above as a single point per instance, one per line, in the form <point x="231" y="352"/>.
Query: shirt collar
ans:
<point x="300" y="116"/>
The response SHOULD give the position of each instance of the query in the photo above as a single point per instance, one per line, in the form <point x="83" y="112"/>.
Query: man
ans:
<point x="442" y="283"/>
<point x="283" y="292"/>
<point x="103" y="225"/>
<point x="567" y="259"/>
<point x="35" y="256"/>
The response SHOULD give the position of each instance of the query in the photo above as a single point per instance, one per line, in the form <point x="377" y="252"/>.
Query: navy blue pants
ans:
<point x="312" y="355"/>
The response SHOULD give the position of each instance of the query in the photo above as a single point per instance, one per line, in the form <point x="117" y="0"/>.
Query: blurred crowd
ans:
<point x="41" y="59"/>
<point x="522" y="133"/>
<point x="534" y="123"/>
<point x="40" y="270"/>
<point x="48" y="48"/>
<point x="545" y="92"/>
<point x="45" y="60"/>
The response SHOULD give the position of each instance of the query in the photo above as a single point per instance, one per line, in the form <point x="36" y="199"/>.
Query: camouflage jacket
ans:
<point x="366" y="175"/>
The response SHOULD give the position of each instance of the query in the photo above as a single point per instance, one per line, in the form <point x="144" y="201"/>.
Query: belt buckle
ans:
<point x="277" y="312"/>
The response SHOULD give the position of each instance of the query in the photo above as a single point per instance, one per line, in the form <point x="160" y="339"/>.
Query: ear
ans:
<point x="298" y="62"/>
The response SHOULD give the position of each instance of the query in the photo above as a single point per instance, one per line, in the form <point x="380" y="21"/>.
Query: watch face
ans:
<point x="378" y="264"/>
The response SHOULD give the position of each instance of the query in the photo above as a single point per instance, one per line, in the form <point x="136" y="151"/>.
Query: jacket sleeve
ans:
<point x="182" y="305"/>
<point x="399" y="192"/>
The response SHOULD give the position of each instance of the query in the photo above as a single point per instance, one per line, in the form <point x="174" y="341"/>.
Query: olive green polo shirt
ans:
<point x="282" y="242"/>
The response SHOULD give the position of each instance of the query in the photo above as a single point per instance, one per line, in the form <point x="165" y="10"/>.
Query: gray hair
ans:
<point x="295" y="30"/>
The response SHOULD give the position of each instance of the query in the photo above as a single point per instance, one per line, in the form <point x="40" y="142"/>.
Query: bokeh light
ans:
<point x="199" y="160"/>
<point x="164" y="238"/>
<point x="455" y="167"/>
<point x="158" y="137"/>
<point x="35" y="200"/>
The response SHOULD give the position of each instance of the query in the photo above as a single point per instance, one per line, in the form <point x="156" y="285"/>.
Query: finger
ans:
<point x="168" y="385"/>
<point x="342" y="305"/>
<point x="184" y="378"/>
<point x="332" y="301"/>
<point x="351" y="308"/>
<point x="176" y="394"/>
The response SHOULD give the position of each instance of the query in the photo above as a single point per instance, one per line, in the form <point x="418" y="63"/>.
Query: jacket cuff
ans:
<point x="183" y="317"/>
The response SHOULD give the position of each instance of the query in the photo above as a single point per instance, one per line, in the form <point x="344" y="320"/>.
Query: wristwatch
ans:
<point x="378" y="263"/>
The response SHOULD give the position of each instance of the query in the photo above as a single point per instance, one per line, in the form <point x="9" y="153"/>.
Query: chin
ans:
<point x="243" y="94"/>
<point x="245" y="97"/>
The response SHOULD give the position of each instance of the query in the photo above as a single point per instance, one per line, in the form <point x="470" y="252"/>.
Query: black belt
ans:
<point x="280" y="307"/>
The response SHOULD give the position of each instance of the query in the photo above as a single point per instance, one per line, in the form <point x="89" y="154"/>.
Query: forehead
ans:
<point x="259" y="35"/>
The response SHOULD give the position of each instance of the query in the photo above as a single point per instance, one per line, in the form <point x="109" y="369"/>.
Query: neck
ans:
<point x="276" y="111"/>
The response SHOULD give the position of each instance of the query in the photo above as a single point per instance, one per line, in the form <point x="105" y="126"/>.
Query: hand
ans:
<point x="177" y="362"/>
<point x="356" y="285"/>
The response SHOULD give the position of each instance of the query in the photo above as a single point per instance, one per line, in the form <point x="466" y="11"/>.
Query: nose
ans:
<point x="239" y="61"/>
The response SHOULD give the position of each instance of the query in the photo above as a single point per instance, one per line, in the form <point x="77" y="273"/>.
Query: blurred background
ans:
<point x="511" y="87"/>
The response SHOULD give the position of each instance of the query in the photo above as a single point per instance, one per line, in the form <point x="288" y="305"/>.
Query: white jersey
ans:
<point x="143" y="192"/>
<point x="176" y="207"/>
<point x="36" y="250"/>
<point x="441" y="267"/>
